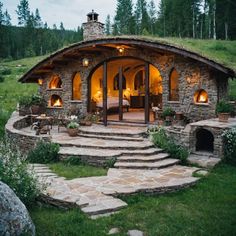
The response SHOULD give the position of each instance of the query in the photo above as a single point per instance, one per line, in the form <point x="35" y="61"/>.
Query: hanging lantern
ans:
<point x="40" y="81"/>
<point x="85" y="62"/>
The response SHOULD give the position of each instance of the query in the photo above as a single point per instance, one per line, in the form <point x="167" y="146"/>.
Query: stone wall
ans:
<point x="19" y="139"/>
<point x="193" y="76"/>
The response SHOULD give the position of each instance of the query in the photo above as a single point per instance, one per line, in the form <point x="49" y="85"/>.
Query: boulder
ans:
<point x="14" y="217"/>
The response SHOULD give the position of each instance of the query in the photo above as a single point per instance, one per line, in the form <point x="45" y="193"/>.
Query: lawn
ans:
<point x="70" y="171"/>
<point x="209" y="208"/>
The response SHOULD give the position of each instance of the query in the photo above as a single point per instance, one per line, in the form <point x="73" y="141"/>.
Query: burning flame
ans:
<point x="57" y="103"/>
<point x="202" y="98"/>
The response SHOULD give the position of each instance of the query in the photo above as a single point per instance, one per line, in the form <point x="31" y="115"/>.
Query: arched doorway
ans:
<point x="204" y="140"/>
<point x="125" y="89"/>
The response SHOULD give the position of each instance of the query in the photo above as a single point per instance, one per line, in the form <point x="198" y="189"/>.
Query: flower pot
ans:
<point x="35" y="109"/>
<point x="179" y="116"/>
<point x="223" y="117"/>
<point x="23" y="111"/>
<point x="73" y="132"/>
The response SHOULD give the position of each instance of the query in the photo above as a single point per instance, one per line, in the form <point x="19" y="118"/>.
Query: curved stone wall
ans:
<point x="20" y="139"/>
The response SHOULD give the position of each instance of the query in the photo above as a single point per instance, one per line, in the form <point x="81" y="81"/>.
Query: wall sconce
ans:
<point x="85" y="62"/>
<point x="40" y="81"/>
<point x="121" y="50"/>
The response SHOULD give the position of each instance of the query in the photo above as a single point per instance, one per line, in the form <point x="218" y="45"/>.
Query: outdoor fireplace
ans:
<point x="204" y="140"/>
<point x="55" y="101"/>
<point x="201" y="96"/>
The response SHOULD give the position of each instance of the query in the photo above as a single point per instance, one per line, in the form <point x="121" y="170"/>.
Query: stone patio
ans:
<point x="98" y="196"/>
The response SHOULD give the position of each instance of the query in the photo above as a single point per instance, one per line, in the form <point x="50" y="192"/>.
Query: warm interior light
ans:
<point x="55" y="82"/>
<point x="57" y="103"/>
<point x="85" y="62"/>
<point x="40" y="81"/>
<point x="120" y="49"/>
<point x="201" y="96"/>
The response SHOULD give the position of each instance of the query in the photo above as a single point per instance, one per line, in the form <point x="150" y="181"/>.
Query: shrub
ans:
<point x="2" y="79"/>
<point x="168" y="111"/>
<point x="14" y="172"/>
<point x="5" y="71"/>
<point x="229" y="141"/>
<point x="161" y="140"/>
<point x="110" y="162"/>
<point x="4" y="116"/>
<point x="224" y="107"/>
<point x="73" y="125"/>
<point x="25" y="101"/>
<point x="43" y="153"/>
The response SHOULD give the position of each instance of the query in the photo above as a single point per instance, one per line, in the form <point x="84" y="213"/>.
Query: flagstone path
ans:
<point x="98" y="196"/>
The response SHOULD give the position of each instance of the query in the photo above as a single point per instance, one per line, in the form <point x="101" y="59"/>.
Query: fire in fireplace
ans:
<point x="201" y="96"/>
<point x="55" y="101"/>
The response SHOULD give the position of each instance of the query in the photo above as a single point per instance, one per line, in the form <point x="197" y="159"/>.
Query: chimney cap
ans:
<point x="92" y="13"/>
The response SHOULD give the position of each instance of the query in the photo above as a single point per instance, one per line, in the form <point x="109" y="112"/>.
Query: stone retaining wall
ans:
<point x="19" y="139"/>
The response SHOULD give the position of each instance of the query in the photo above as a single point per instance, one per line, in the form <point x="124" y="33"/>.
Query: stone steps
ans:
<point x="146" y="165"/>
<point x="96" y="143"/>
<point x="111" y="130"/>
<point x="103" y="153"/>
<point x="111" y="137"/>
<point x="151" y="158"/>
<point x="106" y="206"/>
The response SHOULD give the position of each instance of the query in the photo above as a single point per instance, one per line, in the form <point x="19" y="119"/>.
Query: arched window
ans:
<point x="139" y="80"/>
<point x="76" y="87"/>
<point x="174" y="85"/>
<point x="116" y="82"/>
<point x="55" y="82"/>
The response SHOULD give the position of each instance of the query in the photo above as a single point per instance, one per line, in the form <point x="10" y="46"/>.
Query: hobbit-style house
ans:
<point x="124" y="78"/>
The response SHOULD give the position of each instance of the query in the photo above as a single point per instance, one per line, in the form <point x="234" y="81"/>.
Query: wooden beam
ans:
<point x="120" y="94"/>
<point x="147" y="109"/>
<point x="105" y="93"/>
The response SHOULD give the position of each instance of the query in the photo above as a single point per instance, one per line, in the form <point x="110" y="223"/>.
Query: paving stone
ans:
<point x="202" y="172"/>
<point x="147" y="165"/>
<point x="203" y="161"/>
<point x="135" y="232"/>
<point x="113" y="231"/>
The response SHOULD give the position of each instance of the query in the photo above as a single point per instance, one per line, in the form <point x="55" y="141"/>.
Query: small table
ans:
<point x="43" y="121"/>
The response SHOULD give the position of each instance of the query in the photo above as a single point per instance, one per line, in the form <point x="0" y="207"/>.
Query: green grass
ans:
<point x="209" y="208"/>
<point x="76" y="171"/>
<point x="11" y="90"/>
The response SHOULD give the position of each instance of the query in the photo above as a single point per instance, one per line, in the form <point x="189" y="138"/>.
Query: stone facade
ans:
<point x="192" y="76"/>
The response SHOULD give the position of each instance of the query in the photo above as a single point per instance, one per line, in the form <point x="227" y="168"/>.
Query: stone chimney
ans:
<point x="92" y="28"/>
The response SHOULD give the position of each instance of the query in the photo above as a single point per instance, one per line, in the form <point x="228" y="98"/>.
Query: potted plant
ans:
<point x="72" y="128"/>
<point x="36" y="103"/>
<point x="24" y="105"/>
<point x="223" y="110"/>
<point x="168" y="114"/>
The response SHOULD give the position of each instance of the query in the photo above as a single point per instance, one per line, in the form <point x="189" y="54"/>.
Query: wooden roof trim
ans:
<point x="152" y="44"/>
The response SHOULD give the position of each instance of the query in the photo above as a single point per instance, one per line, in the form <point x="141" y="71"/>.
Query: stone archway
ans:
<point x="204" y="140"/>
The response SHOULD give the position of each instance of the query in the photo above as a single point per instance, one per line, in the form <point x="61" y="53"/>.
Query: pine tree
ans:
<point x="152" y="15"/>
<point x="23" y="12"/>
<point x="141" y="16"/>
<point x="6" y="18"/>
<point x="1" y="14"/>
<point x="54" y="27"/>
<point x="124" y="20"/>
<point x="62" y="27"/>
<point x="108" y="25"/>
<point x="38" y="20"/>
